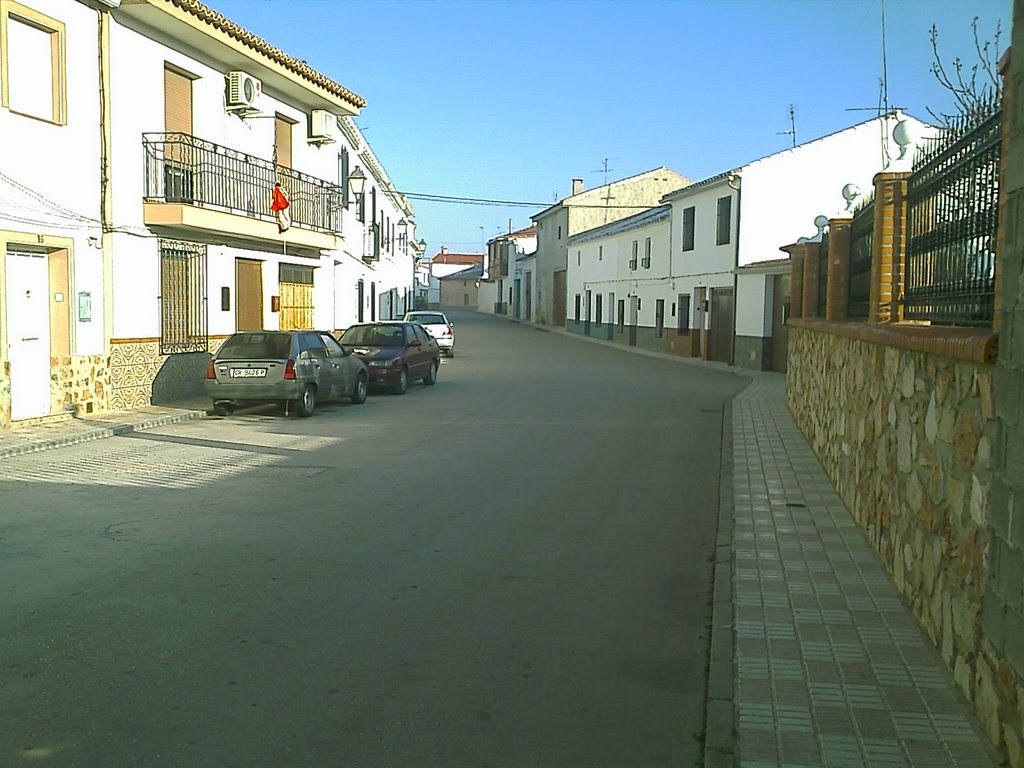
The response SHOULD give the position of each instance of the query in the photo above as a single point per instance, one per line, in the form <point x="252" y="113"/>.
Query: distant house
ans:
<point x="701" y="274"/>
<point x="726" y="224"/>
<point x="581" y="211"/>
<point x="461" y="289"/>
<point x="501" y="285"/>
<point x="444" y="263"/>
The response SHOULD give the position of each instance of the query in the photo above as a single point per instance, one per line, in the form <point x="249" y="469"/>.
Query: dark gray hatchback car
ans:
<point x="294" y="368"/>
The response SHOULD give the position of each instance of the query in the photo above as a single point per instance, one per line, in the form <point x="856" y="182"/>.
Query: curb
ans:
<point x="720" y="748"/>
<point x="98" y="433"/>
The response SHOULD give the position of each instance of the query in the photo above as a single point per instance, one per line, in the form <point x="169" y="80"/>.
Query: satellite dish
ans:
<point x="801" y="240"/>
<point x="851" y="192"/>
<point x="904" y="135"/>
<point x="821" y="221"/>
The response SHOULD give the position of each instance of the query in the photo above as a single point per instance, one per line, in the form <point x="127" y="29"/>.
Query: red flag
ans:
<point x="279" y="205"/>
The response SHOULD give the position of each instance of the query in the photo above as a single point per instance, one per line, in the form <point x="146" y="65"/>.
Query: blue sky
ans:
<point x="511" y="99"/>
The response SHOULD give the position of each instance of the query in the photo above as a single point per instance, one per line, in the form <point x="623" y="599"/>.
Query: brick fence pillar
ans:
<point x="796" y="282"/>
<point x="888" y="247"/>
<point x="812" y="268"/>
<point x="837" y="300"/>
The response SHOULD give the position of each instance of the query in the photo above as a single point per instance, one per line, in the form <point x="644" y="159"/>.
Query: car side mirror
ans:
<point x="414" y="343"/>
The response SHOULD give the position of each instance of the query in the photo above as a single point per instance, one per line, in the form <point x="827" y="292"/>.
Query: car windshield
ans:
<point x="374" y="336"/>
<point x="428" y="319"/>
<point x="264" y="346"/>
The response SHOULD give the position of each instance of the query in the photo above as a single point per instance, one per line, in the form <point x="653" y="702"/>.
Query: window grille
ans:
<point x="183" y="311"/>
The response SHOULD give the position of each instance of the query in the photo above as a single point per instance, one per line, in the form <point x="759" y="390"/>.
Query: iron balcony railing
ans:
<point x="181" y="168"/>
<point x="952" y="220"/>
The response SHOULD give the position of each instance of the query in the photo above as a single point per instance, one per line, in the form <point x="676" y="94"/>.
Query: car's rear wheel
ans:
<point x="451" y="352"/>
<point x="359" y="393"/>
<point x="306" y="404"/>
<point x="431" y="378"/>
<point x="223" y="408"/>
<point x="403" y="381"/>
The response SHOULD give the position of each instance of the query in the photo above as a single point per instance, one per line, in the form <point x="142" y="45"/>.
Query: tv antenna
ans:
<point x="605" y="170"/>
<point x="792" y="126"/>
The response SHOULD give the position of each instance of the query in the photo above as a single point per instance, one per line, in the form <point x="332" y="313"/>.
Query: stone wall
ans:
<point x="907" y="437"/>
<point x="79" y="384"/>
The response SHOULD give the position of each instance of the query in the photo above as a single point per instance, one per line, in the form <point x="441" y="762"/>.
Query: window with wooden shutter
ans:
<point x="283" y="141"/>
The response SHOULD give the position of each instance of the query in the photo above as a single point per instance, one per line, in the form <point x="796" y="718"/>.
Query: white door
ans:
<point x="28" y="334"/>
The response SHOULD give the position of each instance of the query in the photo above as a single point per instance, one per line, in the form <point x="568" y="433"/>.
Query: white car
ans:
<point x="438" y="325"/>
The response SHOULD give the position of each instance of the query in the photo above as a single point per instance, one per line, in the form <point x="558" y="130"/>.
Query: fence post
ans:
<point x="837" y="300"/>
<point x="888" y="247"/>
<point x="811" y="270"/>
<point x="796" y="280"/>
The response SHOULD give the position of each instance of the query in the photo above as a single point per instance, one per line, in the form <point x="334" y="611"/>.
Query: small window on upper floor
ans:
<point x="724" y="220"/>
<point x="559" y="231"/>
<point x="688" y="219"/>
<point x="579" y="255"/>
<point x="32" y="64"/>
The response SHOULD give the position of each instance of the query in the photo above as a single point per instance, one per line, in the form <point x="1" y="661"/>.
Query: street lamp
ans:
<point x="403" y="227"/>
<point x="357" y="181"/>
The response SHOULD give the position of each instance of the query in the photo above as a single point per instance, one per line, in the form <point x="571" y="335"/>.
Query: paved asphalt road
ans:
<point x="511" y="568"/>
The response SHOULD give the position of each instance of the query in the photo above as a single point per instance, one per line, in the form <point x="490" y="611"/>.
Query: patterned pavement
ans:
<point x="831" y="668"/>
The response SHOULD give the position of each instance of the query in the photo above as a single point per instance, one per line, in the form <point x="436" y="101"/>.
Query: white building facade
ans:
<point x="51" y="263"/>
<point x="153" y="233"/>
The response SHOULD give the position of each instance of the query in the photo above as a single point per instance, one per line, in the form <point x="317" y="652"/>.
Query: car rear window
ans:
<point x="430" y="319"/>
<point x="374" y="336"/>
<point x="267" y="346"/>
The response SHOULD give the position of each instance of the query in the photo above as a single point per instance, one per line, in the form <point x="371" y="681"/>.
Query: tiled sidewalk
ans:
<point x="831" y="667"/>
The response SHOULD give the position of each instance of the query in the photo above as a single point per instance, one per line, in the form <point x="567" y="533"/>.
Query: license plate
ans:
<point x="248" y="373"/>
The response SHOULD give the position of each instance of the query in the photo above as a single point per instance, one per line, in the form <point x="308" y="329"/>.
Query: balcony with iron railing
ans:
<point x="195" y="184"/>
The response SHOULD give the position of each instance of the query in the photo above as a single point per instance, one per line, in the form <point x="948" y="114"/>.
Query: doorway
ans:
<point x="28" y="333"/>
<point x="249" y="301"/>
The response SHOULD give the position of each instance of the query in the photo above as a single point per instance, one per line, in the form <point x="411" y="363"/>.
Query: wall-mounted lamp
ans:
<point x="357" y="181"/>
<point x="403" y="230"/>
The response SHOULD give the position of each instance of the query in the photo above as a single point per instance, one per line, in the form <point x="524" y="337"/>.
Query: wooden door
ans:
<point x="559" y="298"/>
<point x="721" y="334"/>
<point x="249" y="295"/>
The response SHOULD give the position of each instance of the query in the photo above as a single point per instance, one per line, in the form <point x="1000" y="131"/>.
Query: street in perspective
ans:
<point x="510" y="568"/>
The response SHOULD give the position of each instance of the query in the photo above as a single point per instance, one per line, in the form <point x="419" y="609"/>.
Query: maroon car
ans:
<point x="395" y="353"/>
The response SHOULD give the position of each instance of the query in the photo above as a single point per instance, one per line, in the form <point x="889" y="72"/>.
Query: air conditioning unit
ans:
<point x="321" y="127"/>
<point x="243" y="90"/>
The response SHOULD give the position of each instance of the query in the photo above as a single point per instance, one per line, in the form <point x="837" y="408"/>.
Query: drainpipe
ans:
<point x="106" y="205"/>
<point x="731" y="179"/>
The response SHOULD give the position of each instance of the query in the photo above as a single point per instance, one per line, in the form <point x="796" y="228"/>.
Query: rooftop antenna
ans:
<point x="605" y="170"/>
<point x="884" y="109"/>
<point x="792" y="126"/>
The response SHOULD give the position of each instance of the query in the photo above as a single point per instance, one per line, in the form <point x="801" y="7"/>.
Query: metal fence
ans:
<point x="181" y="168"/>
<point x="862" y="234"/>
<point x="952" y="218"/>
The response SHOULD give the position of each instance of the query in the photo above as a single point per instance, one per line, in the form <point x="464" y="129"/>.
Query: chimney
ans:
<point x="444" y="249"/>
<point x="577" y="186"/>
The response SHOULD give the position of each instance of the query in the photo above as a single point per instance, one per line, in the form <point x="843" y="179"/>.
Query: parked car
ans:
<point x="299" y="368"/>
<point x="395" y="353"/>
<point x="438" y="325"/>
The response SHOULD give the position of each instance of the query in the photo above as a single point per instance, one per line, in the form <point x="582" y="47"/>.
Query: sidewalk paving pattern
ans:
<point x="830" y="668"/>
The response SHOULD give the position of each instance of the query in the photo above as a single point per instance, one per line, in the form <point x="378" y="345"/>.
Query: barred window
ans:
<point x="182" y="298"/>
